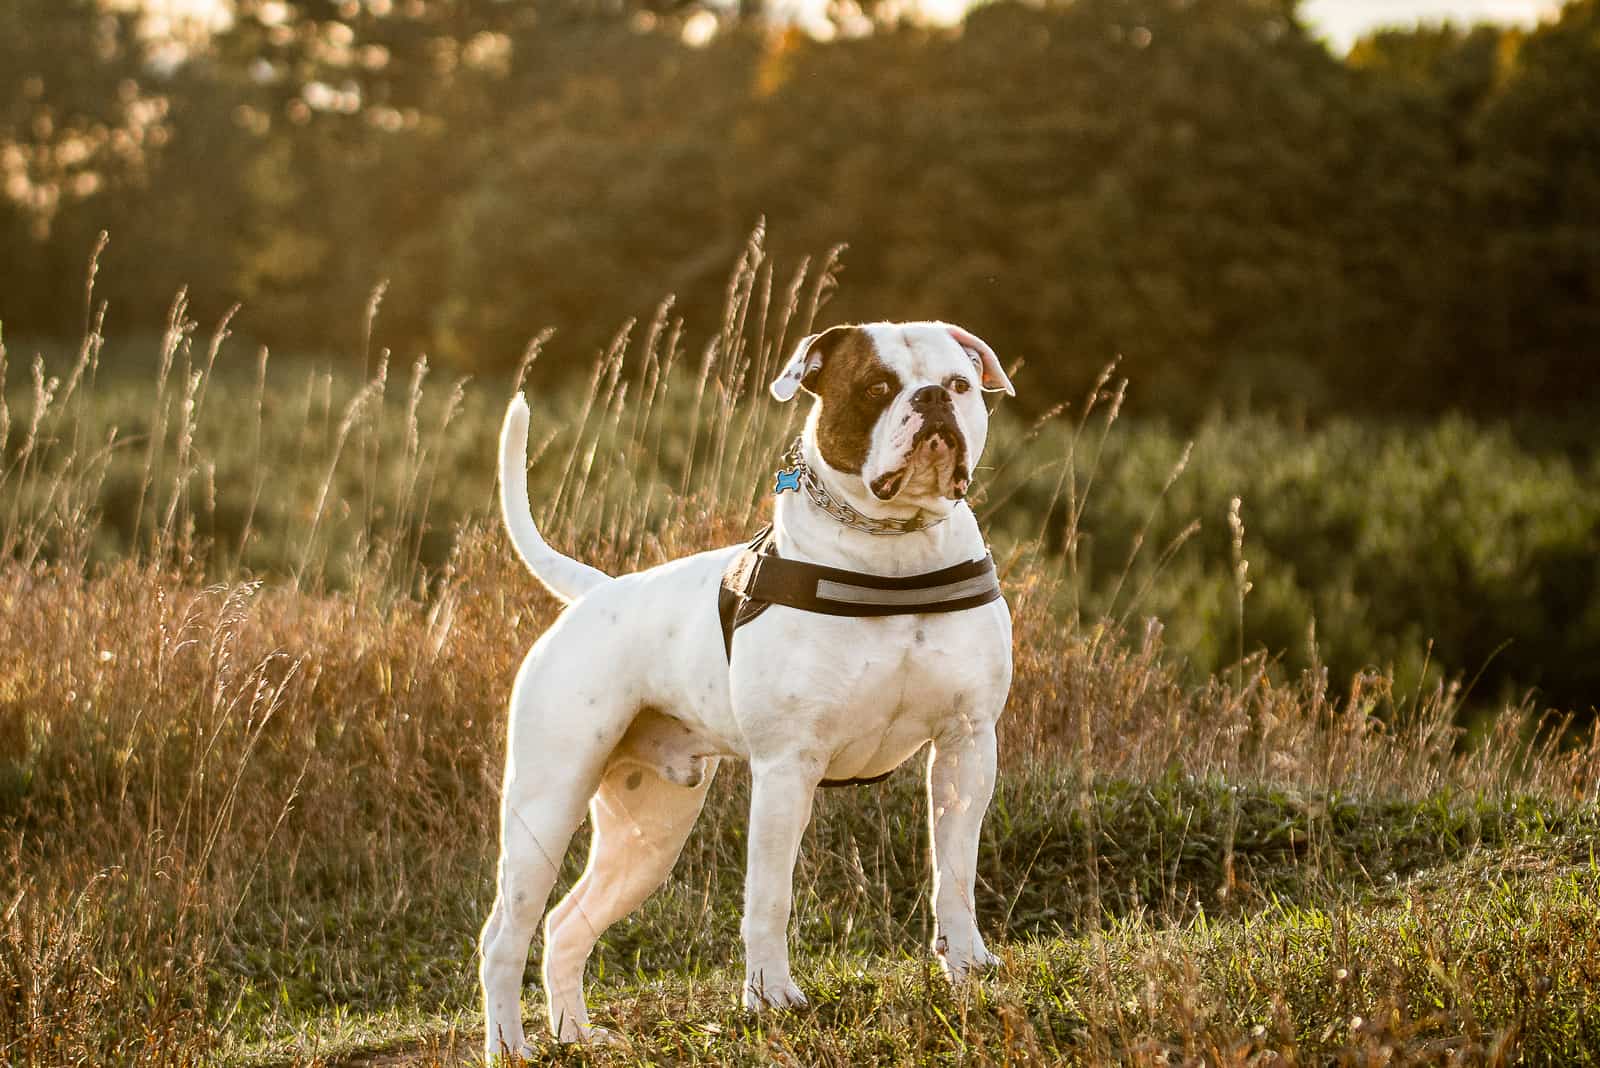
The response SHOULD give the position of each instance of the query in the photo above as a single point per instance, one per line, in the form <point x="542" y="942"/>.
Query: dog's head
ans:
<point x="898" y="406"/>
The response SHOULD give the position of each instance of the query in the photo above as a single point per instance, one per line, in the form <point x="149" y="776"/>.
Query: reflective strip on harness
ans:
<point x="911" y="600"/>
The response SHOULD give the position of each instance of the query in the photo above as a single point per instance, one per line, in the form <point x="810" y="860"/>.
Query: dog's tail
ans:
<point x="563" y="576"/>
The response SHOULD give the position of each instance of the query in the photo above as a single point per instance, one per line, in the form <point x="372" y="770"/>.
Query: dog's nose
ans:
<point x="931" y="397"/>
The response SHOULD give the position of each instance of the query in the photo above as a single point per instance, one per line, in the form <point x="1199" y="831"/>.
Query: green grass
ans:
<point x="1346" y="927"/>
<point x="1052" y="864"/>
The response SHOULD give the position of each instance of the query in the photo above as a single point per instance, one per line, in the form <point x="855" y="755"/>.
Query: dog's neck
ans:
<point x="807" y="532"/>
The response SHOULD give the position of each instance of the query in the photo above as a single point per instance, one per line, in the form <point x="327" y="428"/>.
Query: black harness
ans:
<point x="759" y="578"/>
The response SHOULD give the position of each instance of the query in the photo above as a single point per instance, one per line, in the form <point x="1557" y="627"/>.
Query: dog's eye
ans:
<point x="878" y="390"/>
<point x="958" y="384"/>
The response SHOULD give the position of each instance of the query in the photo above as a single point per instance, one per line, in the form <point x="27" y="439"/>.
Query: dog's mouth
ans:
<point x="935" y="465"/>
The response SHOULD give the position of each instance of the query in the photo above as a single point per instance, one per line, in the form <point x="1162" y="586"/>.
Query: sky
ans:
<point x="1340" y="21"/>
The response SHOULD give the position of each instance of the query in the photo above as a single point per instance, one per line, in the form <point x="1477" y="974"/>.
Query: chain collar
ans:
<point x="797" y="475"/>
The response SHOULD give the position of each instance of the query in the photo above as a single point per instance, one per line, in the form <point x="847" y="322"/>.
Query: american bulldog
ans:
<point x="628" y="702"/>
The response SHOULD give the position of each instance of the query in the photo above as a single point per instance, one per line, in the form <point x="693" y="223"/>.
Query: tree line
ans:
<point x="1200" y="186"/>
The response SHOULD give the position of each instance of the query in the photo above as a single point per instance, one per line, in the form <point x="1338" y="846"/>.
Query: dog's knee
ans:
<point x="500" y="950"/>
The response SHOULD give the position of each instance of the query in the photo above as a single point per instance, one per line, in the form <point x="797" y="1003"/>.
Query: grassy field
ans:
<point x="259" y="644"/>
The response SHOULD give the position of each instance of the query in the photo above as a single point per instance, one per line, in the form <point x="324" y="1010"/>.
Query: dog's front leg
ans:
<point x="961" y="771"/>
<point x="780" y="807"/>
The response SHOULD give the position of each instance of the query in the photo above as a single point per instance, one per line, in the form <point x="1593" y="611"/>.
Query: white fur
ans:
<point x="568" y="579"/>
<point x="628" y="702"/>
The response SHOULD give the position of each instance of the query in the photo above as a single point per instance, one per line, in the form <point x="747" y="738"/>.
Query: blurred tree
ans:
<point x="1535" y="287"/>
<point x="78" y="124"/>
<point x="1195" y="184"/>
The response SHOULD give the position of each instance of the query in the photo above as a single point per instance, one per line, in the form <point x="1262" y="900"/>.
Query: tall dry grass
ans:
<point x="193" y="760"/>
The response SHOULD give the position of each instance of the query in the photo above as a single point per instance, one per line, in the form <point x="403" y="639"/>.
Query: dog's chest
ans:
<point x="914" y="666"/>
<point x="911" y="690"/>
<point x="867" y="693"/>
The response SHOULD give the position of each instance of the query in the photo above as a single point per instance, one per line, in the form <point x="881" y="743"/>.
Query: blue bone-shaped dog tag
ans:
<point x="787" y="480"/>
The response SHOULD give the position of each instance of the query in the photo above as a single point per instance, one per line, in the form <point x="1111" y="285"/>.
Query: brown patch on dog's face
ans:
<point x="854" y="387"/>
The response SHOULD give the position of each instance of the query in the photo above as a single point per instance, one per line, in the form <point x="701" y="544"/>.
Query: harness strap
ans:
<point x="759" y="578"/>
<point x="734" y="606"/>
<point x="832" y="591"/>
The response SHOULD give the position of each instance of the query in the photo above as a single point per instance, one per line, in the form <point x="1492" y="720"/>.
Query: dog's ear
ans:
<point x="992" y="375"/>
<point x="805" y="363"/>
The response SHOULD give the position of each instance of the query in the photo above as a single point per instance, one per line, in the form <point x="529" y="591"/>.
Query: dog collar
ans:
<point x="797" y="475"/>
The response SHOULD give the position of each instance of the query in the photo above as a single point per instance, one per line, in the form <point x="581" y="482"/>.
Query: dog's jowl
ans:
<point x="865" y="624"/>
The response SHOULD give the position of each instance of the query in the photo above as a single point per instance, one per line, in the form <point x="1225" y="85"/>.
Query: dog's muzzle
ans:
<point x="938" y="444"/>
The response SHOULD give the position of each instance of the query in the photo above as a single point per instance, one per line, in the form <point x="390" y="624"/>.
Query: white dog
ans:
<point x="627" y="703"/>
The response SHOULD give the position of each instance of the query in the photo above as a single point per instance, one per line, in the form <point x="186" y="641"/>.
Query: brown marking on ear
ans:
<point x="850" y="366"/>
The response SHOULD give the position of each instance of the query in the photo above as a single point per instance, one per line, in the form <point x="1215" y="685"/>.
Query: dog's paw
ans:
<point x="963" y="962"/>
<point x="598" y="1036"/>
<point x="583" y="1034"/>
<point x="506" y="1056"/>
<point x="760" y="995"/>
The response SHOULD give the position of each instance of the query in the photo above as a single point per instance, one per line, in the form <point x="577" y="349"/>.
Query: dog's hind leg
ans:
<point x="554" y="765"/>
<point x="639" y="822"/>
<point x="533" y="840"/>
